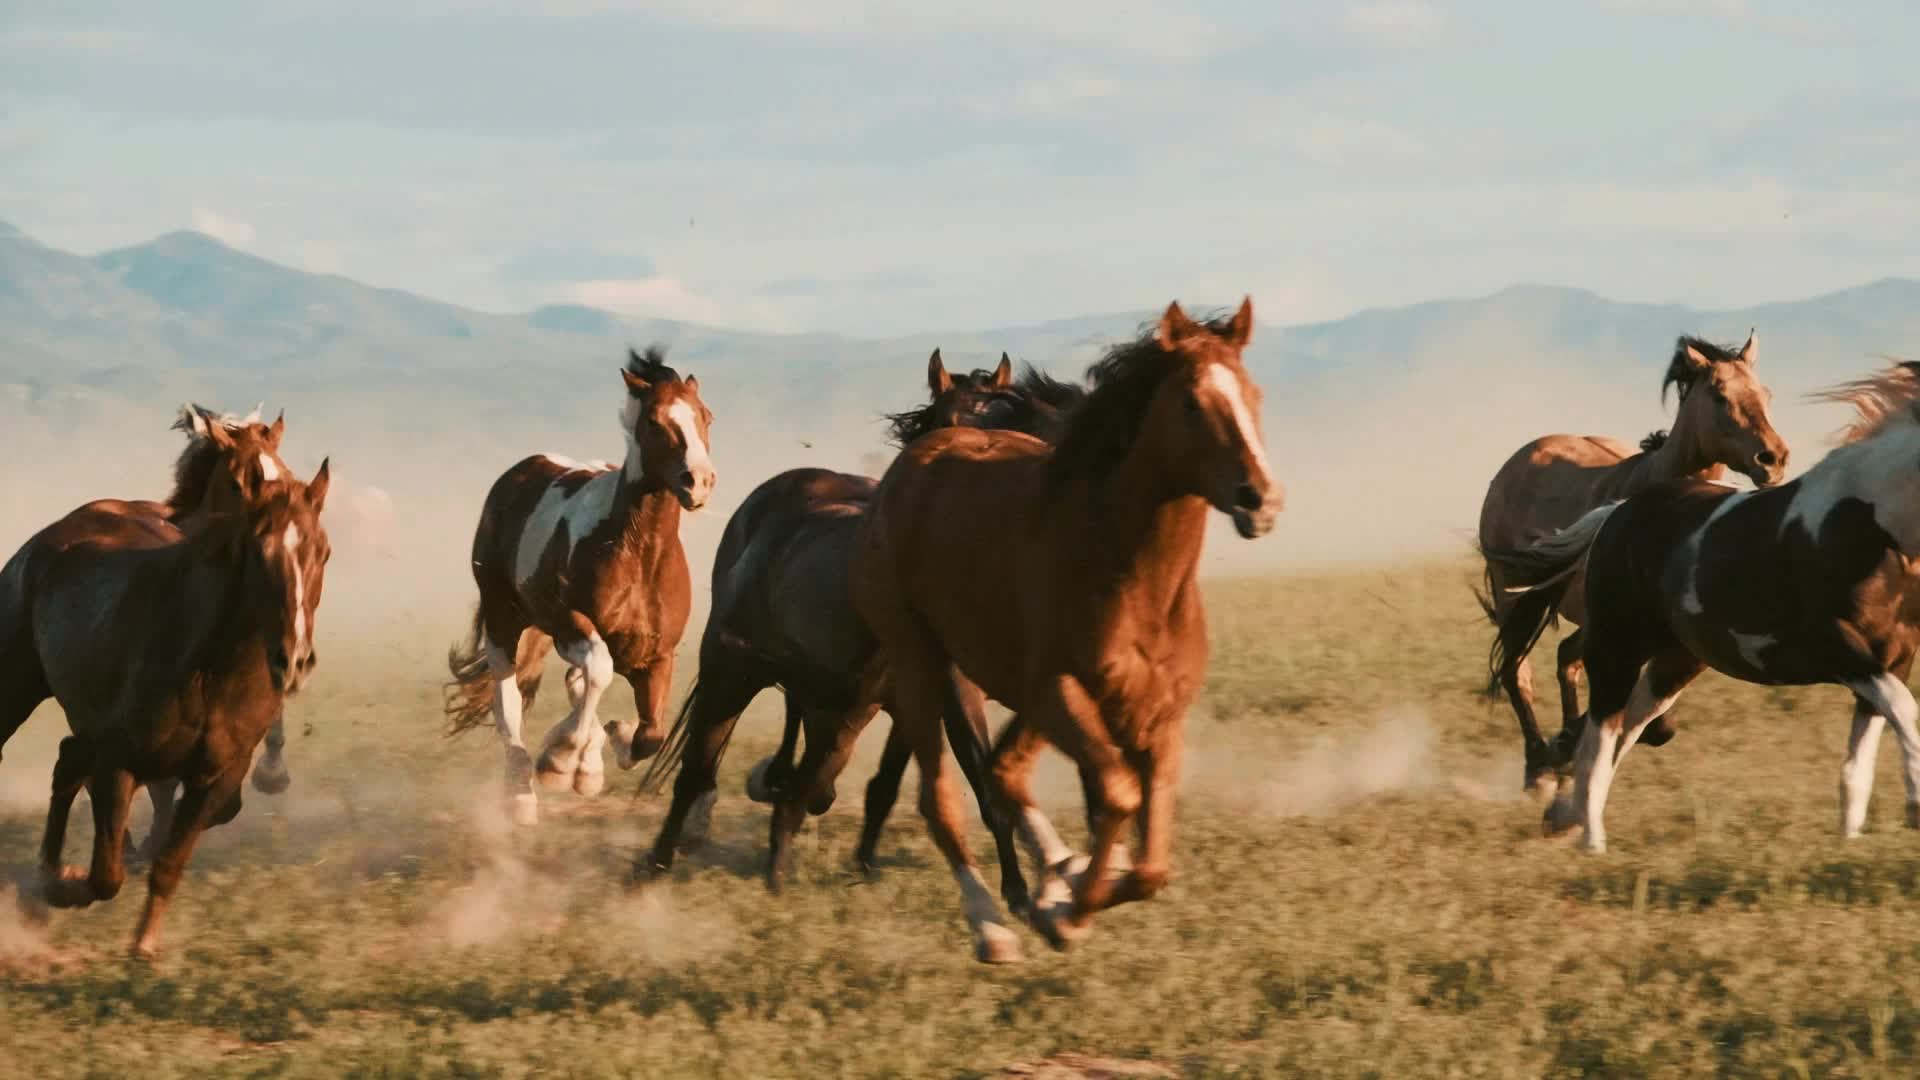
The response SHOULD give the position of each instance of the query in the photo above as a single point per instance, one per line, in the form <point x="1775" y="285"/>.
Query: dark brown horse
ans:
<point x="783" y="616"/>
<point x="587" y="559"/>
<point x="1814" y="581"/>
<point x="171" y="651"/>
<point x="228" y="465"/>
<point x="1721" y="422"/>
<point x="1080" y="609"/>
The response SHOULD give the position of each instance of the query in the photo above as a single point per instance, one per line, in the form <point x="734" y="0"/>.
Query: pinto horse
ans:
<point x="586" y="559"/>
<point x="171" y="649"/>
<point x="783" y="616"/>
<point x="1813" y="581"/>
<point x="1079" y="607"/>
<point x="1721" y="422"/>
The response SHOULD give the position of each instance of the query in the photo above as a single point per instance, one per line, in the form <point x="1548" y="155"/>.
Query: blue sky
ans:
<point x="877" y="166"/>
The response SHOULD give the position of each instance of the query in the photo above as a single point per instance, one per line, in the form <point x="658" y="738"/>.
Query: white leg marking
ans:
<point x="1223" y="379"/>
<point x="1890" y="697"/>
<point x="1856" y="775"/>
<point x="1601" y="751"/>
<point x="576" y="680"/>
<point x="506" y="715"/>
<point x="993" y="941"/>
<point x="567" y="744"/>
<point x="1052" y="858"/>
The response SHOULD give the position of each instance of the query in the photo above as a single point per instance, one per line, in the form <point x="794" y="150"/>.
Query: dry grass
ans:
<point x="1361" y="892"/>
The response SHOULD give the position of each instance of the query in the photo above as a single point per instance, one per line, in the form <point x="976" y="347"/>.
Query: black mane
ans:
<point x="1035" y="404"/>
<point x="1654" y="441"/>
<point x="651" y="365"/>
<point x="1680" y="371"/>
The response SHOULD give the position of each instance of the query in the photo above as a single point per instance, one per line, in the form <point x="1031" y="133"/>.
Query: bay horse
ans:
<point x="229" y="464"/>
<point x="783" y="616"/>
<point x="1079" y="608"/>
<point x="1813" y="581"/>
<point x="1721" y="422"/>
<point x="171" y="649"/>
<point x="586" y="559"/>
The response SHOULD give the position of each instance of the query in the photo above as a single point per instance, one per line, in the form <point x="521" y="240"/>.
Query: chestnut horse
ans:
<point x="171" y="650"/>
<point x="1814" y="581"/>
<point x="1721" y="422"/>
<point x="228" y="465"/>
<point x="586" y="559"/>
<point x="783" y="616"/>
<point x="1079" y="607"/>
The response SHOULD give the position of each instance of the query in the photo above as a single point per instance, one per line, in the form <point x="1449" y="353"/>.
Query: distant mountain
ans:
<point x="1407" y="409"/>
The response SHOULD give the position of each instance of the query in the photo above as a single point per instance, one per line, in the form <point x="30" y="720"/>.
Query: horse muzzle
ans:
<point x="1254" y="510"/>
<point x="694" y="488"/>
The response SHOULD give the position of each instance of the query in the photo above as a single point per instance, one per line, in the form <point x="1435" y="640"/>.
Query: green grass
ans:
<point x="1360" y="891"/>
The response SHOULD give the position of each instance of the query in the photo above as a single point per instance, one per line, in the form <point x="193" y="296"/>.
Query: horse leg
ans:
<point x="70" y="773"/>
<point x="1616" y="723"/>
<point x="161" y="793"/>
<point x="570" y="755"/>
<point x="966" y="722"/>
<point x="202" y="805"/>
<point x="1011" y="767"/>
<point x="270" y="776"/>
<point x="830" y="738"/>
<point x="523" y="804"/>
<point x="1888" y="696"/>
<point x="771" y="773"/>
<point x="882" y="791"/>
<point x="1516" y="677"/>
<point x="635" y="743"/>
<point x="722" y="694"/>
<point x="111" y="789"/>
<point x="1856" y="775"/>
<point x="1161" y="768"/>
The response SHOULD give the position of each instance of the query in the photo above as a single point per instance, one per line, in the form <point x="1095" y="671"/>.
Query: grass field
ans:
<point x="1361" y="891"/>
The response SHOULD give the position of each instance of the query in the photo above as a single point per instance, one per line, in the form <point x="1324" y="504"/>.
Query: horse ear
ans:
<point x="636" y="385"/>
<point x="1003" y="375"/>
<point x="1696" y="359"/>
<point x="938" y="380"/>
<point x="1175" y="327"/>
<point x="693" y="383"/>
<point x="277" y="429"/>
<point x="1750" y="352"/>
<point x="317" y="487"/>
<point x="1240" y="331"/>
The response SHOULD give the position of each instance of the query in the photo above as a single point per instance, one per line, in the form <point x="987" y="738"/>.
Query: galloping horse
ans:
<point x="586" y="558"/>
<point x="1814" y="581"/>
<point x="1063" y="583"/>
<point x="783" y="616"/>
<point x="228" y="465"/>
<point x="171" y="650"/>
<point x="1721" y="422"/>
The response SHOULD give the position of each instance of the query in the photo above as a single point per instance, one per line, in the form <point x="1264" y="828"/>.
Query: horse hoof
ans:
<point x="271" y="780"/>
<point x="699" y="822"/>
<point x="758" y="789"/>
<point x="645" y="744"/>
<point x="1559" y="818"/>
<point x="144" y="952"/>
<point x="524" y="809"/>
<point x="823" y="802"/>
<point x="589" y="784"/>
<point x="995" y="944"/>
<point x="68" y="887"/>
<point x="1056" y="923"/>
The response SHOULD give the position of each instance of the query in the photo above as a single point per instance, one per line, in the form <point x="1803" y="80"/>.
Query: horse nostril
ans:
<point x="686" y="479"/>
<point x="1766" y="458"/>
<point x="1245" y="497"/>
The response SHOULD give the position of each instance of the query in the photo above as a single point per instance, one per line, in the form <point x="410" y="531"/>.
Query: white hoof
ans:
<point x="589" y="784"/>
<point x="757" y="788"/>
<point x="699" y="823"/>
<point x="996" y="944"/>
<point x="525" y="809"/>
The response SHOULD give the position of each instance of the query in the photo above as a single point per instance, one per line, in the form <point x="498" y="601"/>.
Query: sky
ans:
<point x="878" y="167"/>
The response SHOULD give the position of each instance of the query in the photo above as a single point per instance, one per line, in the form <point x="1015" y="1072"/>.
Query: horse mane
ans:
<point x="1030" y="393"/>
<point x="905" y="427"/>
<point x="651" y="365"/>
<point x="1100" y="430"/>
<point x="1680" y="371"/>
<point x="194" y="469"/>
<point x="1878" y="400"/>
<point x="1654" y="441"/>
<point x="1044" y="388"/>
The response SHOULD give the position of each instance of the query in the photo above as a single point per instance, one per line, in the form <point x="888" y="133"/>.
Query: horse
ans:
<point x="228" y="464"/>
<point x="1812" y="581"/>
<point x="1548" y="483"/>
<point x="171" y="648"/>
<point x="586" y="559"/>
<point x="1078" y="608"/>
<point x="783" y="616"/>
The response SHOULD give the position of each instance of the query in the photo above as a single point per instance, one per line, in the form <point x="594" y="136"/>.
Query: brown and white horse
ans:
<point x="783" y="616"/>
<point x="1722" y="422"/>
<point x="587" y="559"/>
<point x="1080" y="610"/>
<point x="1814" y="581"/>
<point x="171" y="650"/>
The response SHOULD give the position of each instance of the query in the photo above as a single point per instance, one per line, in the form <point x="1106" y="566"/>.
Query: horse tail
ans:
<point x="468" y="697"/>
<point x="1484" y="594"/>
<point x="1547" y="567"/>
<point x="666" y="764"/>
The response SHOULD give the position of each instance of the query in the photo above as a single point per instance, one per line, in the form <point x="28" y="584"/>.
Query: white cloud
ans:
<point x="234" y="234"/>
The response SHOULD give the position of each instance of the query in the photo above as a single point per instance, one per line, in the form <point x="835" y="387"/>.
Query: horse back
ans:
<point x="1546" y="486"/>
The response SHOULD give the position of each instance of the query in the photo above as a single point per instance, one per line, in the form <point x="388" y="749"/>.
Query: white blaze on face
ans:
<point x="1227" y="384"/>
<point x="268" y="470"/>
<point x="680" y="414"/>
<point x="580" y="512"/>
<point x="291" y="540"/>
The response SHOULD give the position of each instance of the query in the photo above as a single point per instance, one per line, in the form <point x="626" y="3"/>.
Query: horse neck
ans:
<point x="1150" y="533"/>
<point x="1684" y="454"/>
<point x="213" y="599"/>
<point x="648" y="513"/>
